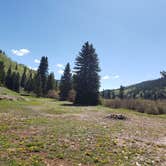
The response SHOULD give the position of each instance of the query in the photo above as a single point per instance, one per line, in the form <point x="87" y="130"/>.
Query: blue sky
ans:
<point x="129" y="36"/>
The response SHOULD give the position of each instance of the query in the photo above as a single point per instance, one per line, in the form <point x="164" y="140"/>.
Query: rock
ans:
<point x="116" y="117"/>
<point x="137" y="164"/>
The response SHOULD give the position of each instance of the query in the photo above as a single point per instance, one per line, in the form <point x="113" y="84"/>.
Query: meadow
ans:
<point x="46" y="132"/>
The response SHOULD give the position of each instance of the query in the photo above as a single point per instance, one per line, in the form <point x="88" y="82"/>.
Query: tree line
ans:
<point x="80" y="86"/>
<point x="39" y="82"/>
<point x="154" y="91"/>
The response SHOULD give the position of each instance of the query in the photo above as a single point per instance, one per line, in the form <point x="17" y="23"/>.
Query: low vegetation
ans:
<point x="143" y="106"/>
<point x="45" y="132"/>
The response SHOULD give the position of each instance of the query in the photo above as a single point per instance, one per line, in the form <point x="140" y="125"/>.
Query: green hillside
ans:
<point x="156" y="85"/>
<point x="5" y="91"/>
<point x="148" y="89"/>
<point x="9" y="62"/>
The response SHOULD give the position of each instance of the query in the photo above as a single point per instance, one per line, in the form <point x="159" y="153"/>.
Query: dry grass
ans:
<point x="143" y="106"/>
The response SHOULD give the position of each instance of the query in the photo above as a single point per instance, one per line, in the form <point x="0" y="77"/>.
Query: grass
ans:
<point x="41" y="132"/>
<point x="5" y="91"/>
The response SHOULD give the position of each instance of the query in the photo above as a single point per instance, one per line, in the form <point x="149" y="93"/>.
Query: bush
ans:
<point x="53" y="94"/>
<point x="144" y="106"/>
<point x="71" y="95"/>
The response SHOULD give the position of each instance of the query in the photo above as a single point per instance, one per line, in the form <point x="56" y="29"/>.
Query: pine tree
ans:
<point x="51" y="83"/>
<point x="65" y="83"/>
<point x="38" y="85"/>
<point x="87" y="78"/>
<point x="8" y="80"/>
<point x="121" y="92"/>
<point x="15" y="81"/>
<point x="23" y="78"/>
<point x="113" y="95"/>
<point x="2" y="73"/>
<point x="29" y="86"/>
<point x="43" y="72"/>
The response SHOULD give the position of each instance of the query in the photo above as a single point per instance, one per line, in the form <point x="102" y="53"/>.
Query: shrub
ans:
<point x="71" y="95"/>
<point x="144" y="106"/>
<point x="53" y="94"/>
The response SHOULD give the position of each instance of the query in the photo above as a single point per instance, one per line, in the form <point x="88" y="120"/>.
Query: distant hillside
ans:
<point x="148" y="89"/>
<point x="14" y="65"/>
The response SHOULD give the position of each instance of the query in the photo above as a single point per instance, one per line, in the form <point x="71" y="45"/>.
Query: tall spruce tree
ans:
<point x="121" y="92"/>
<point x="2" y="73"/>
<point x="8" y="79"/>
<point x="42" y="73"/>
<point x="51" y="83"/>
<point x="65" y="83"/>
<point x="87" y="79"/>
<point x="38" y="85"/>
<point x="29" y="86"/>
<point x="24" y="78"/>
<point x="15" y="81"/>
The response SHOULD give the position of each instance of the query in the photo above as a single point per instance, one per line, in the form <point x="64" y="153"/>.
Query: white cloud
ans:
<point x="60" y="65"/>
<point x="115" y="76"/>
<point x="60" y="71"/>
<point x="106" y="77"/>
<point x="37" y="61"/>
<point x="20" y="52"/>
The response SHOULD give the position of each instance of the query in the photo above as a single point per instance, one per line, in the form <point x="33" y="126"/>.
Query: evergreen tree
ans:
<point x="23" y="78"/>
<point x="38" y="85"/>
<point x="51" y="83"/>
<point x="43" y="72"/>
<point x="29" y="86"/>
<point x="163" y="74"/>
<point x="113" y="95"/>
<point x="8" y="80"/>
<point x="15" y="81"/>
<point x="2" y="73"/>
<point x="65" y="83"/>
<point x="87" y="78"/>
<point x="121" y="92"/>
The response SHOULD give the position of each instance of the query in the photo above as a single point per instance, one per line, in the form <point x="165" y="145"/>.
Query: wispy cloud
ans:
<point x="106" y="77"/>
<point x="37" y="61"/>
<point x="60" y="65"/>
<point x="113" y="77"/>
<point x="20" y="52"/>
<point x="60" y="71"/>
